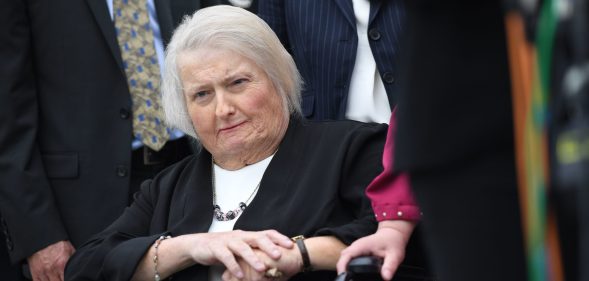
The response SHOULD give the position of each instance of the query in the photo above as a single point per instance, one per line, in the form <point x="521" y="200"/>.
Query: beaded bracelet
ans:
<point x="157" y="243"/>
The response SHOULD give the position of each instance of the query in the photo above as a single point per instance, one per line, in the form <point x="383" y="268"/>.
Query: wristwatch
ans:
<point x="300" y="241"/>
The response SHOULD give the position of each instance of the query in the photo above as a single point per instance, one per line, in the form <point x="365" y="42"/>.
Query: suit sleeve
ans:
<point x="361" y="165"/>
<point x="390" y="192"/>
<point x="115" y="253"/>
<point x="31" y="220"/>
<point x="273" y="12"/>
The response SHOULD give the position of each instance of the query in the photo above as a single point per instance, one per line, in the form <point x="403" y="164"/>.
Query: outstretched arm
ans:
<point x="389" y="242"/>
<point x="396" y="211"/>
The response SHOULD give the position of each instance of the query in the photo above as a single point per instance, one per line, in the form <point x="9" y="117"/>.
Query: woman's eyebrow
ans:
<point x="235" y="74"/>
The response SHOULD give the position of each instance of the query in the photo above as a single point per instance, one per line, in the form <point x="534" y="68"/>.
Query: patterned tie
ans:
<point x="135" y="39"/>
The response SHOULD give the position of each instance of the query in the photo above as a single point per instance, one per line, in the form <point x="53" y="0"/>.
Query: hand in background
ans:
<point x="388" y="242"/>
<point x="49" y="263"/>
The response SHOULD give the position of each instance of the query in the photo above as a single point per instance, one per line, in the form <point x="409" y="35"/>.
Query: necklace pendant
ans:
<point x="230" y="215"/>
<point x="218" y="213"/>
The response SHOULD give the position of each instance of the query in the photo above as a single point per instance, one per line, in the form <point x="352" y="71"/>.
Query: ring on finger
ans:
<point x="273" y="273"/>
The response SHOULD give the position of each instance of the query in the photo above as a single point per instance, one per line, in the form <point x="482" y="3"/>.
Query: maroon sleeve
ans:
<point x="390" y="192"/>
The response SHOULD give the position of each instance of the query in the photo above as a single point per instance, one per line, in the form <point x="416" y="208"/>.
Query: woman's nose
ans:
<point x="225" y="105"/>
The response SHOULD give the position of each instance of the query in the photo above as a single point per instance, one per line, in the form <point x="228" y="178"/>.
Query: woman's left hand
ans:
<point x="289" y="264"/>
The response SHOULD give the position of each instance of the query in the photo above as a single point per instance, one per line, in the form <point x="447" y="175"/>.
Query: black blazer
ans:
<point x="313" y="186"/>
<point x="65" y="111"/>
<point x="321" y="35"/>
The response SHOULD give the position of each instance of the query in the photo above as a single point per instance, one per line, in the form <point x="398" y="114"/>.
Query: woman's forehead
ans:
<point x="204" y="67"/>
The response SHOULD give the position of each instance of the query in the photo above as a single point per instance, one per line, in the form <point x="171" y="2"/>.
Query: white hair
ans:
<point x="234" y="29"/>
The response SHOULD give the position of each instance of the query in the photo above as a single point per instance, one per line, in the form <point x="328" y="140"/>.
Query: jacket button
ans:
<point x="122" y="171"/>
<point x="374" y="34"/>
<point x="388" y="78"/>
<point x="124" y="113"/>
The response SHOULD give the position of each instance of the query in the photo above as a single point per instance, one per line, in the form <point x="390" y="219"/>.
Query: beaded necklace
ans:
<point x="232" y="214"/>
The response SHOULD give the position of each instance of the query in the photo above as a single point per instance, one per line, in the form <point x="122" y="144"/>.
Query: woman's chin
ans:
<point x="232" y="149"/>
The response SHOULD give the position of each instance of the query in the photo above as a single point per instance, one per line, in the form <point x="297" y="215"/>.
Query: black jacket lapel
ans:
<point x="164" y="17"/>
<point x="101" y="14"/>
<point x="197" y="206"/>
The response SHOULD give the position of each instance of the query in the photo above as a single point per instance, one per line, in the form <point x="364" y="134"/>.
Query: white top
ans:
<point x="367" y="99"/>
<point x="232" y="187"/>
<point x="241" y="3"/>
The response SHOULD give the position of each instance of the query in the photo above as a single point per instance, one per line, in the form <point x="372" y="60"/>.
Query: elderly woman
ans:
<point x="263" y="174"/>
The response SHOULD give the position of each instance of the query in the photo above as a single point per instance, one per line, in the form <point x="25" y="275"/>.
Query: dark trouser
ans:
<point x="146" y="163"/>
<point x="471" y="220"/>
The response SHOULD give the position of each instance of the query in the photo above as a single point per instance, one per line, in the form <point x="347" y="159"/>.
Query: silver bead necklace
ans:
<point x="232" y="214"/>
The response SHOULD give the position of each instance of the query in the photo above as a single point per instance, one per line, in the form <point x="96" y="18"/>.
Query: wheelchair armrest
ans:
<point x="362" y="269"/>
<point x="368" y="268"/>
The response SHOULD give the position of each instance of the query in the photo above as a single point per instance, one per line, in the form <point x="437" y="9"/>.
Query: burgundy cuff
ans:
<point x="386" y="211"/>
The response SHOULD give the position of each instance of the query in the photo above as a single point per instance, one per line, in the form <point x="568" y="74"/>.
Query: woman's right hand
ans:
<point x="224" y="247"/>
<point x="288" y="265"/>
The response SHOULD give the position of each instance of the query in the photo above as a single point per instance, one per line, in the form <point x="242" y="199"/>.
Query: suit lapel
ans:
<point x="164" y="18"/>
<point x="101" y="15"/>
<point x="348" y="10"/>
<point x="197" y="192"/>
<point x="374" y="8"/>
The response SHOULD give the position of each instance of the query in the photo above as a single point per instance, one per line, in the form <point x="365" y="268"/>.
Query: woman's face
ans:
<point x="234" y="106"/>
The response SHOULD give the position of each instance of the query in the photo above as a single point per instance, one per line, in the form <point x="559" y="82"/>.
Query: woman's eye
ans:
<point x="239" y="81"/>
<point x="200" y="94"/>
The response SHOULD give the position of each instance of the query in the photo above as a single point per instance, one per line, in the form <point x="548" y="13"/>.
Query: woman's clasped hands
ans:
<point x="247" y="255"/>
<point x="287" y="265"/>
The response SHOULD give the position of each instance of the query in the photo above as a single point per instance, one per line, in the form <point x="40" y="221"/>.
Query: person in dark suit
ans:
<point x="70" y="162"/>
<point x="455" y="139"/>
<point x="347" y="52"/>
<point x="230" y="83"/>
<point x="397" y="213"/>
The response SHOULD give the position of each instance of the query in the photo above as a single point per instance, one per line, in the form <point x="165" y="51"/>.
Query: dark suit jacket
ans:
<point x="455" y="138"/>
<point x="313" y="186"/>
<point x="321" y="35"/>
<point x="455" y="102"/>
<point x="65" y="139"/>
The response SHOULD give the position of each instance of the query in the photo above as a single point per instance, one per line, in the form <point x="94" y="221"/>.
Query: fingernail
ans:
<point x="259" y="266"/>
<point x="239" y="274"/>
<point x="276" y="253"/>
